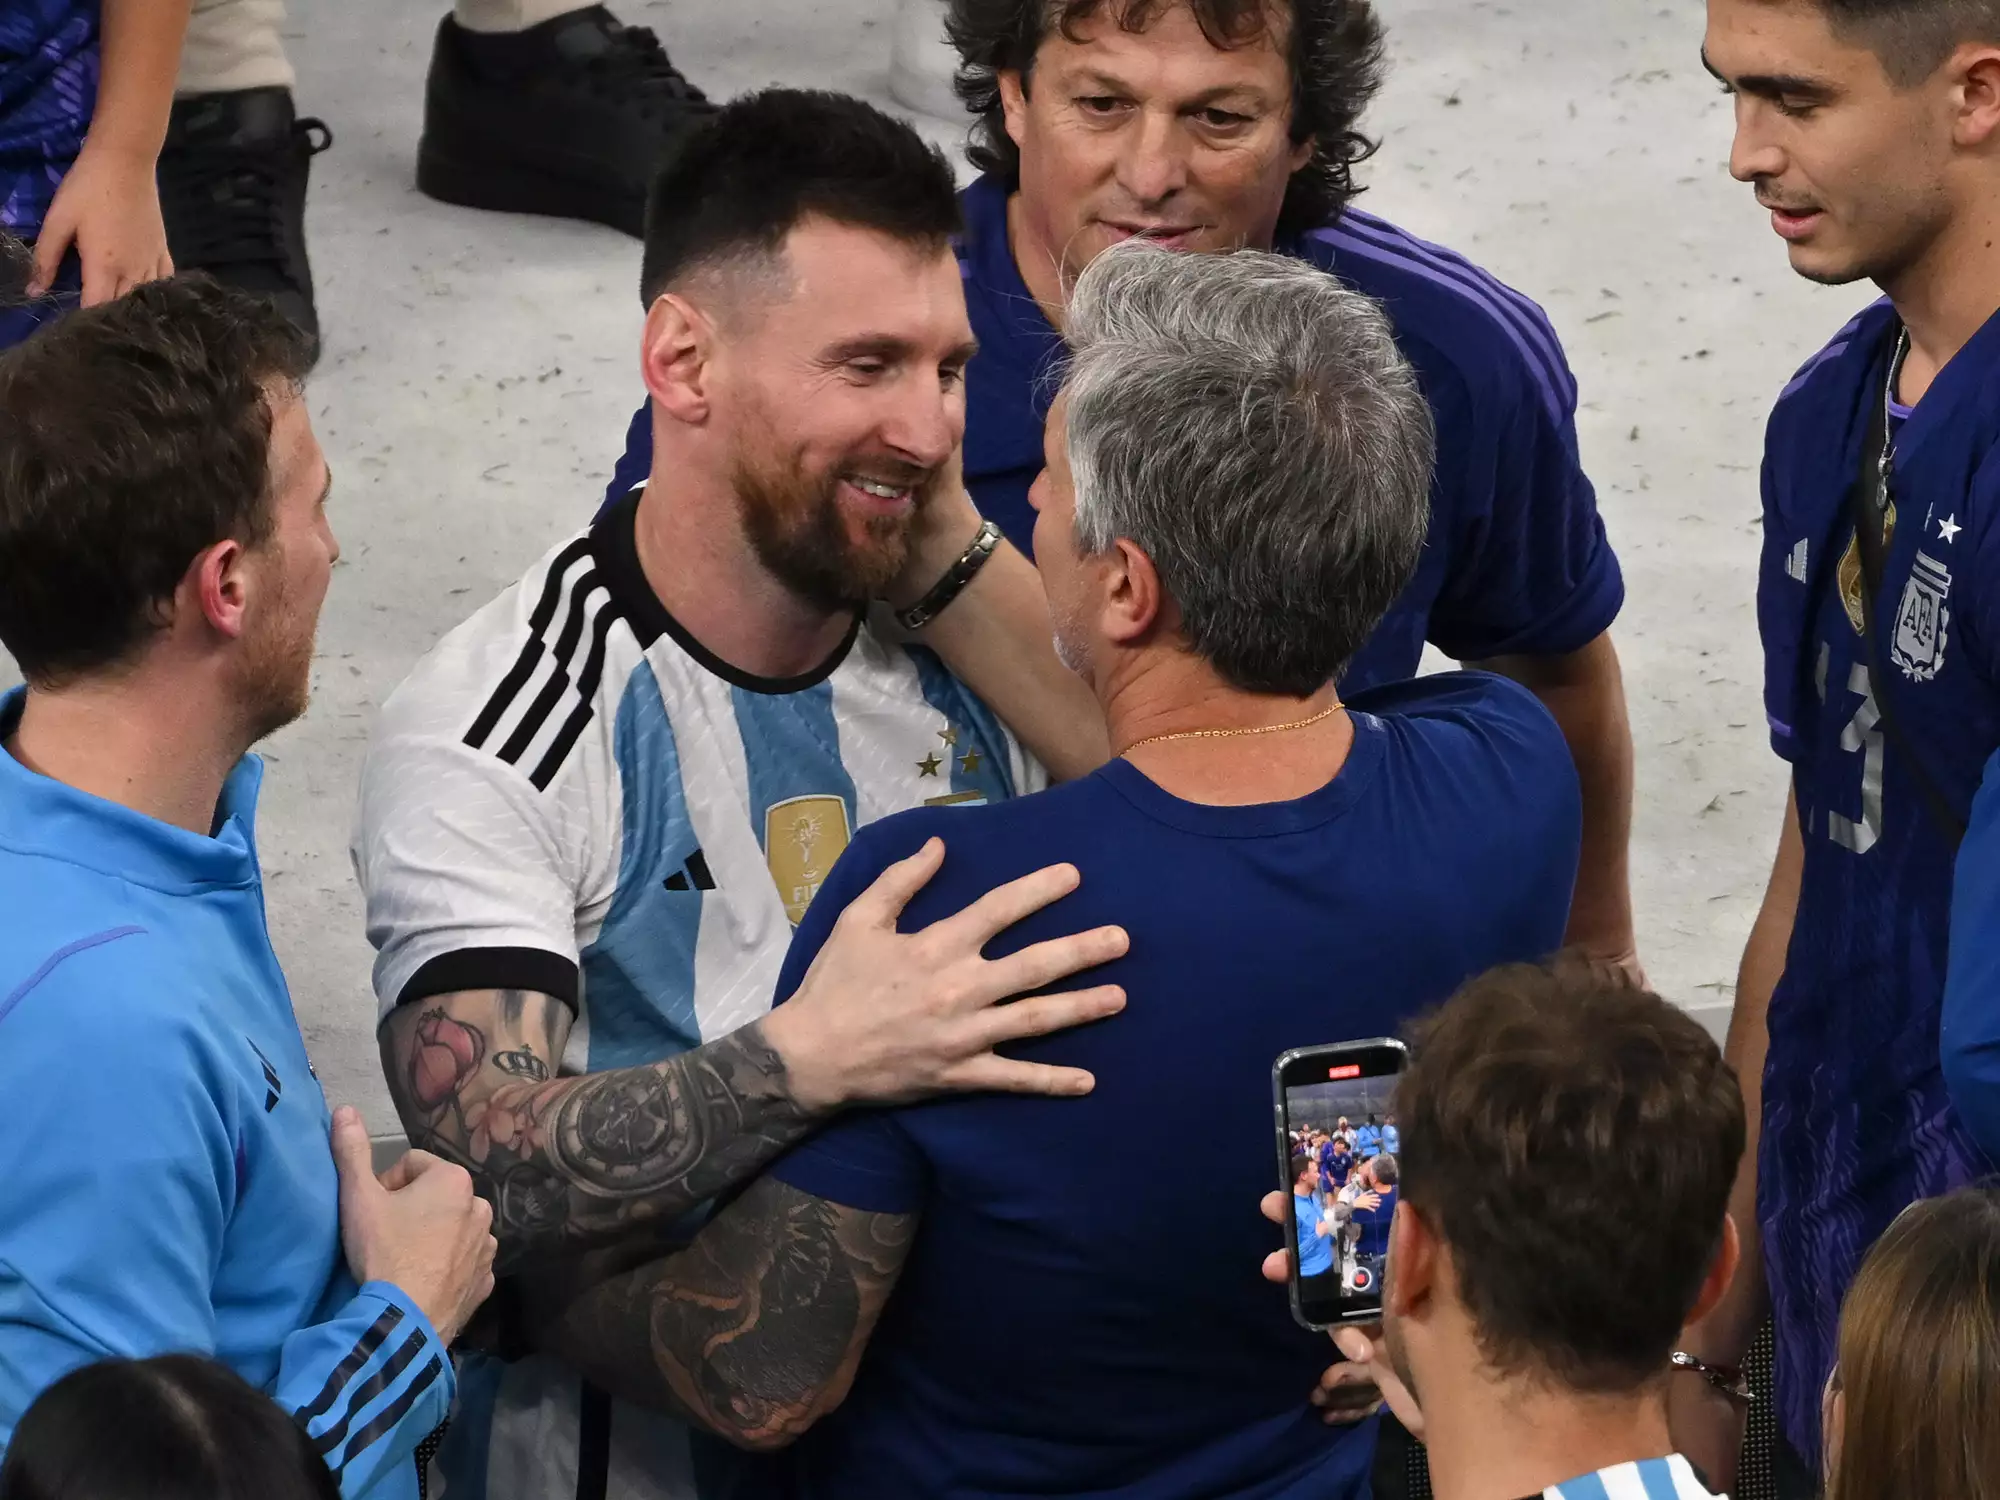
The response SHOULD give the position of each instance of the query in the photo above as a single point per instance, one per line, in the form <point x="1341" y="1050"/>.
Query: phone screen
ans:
<point x="1337" y="1137"/>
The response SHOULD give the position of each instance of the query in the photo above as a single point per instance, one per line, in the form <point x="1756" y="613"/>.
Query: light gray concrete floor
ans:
<point x="479" y="371"/>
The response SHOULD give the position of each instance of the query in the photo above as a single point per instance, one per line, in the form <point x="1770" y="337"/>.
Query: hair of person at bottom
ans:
<point x="1249" y="424"/>
<point x="1572" y="1139"/>
<point x="1920" y="1357"/>
<point x="1912" y="37"/>
<point x="1386" y="1170"/>
<point x="133" y="435"/>
<point x="763" y="163"/>
<point x="1334" y="48"/>
<point x="176" y="1427"/>
<point x="17" y="264"/>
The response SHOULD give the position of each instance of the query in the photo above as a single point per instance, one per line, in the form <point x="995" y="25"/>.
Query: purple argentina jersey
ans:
<point x="48" y="88"/>
<point x="1516" y="560"/>
<point x="1857" y="1121"/>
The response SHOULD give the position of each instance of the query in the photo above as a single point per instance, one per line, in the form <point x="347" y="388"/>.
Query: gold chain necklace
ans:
<point x="1223" y="734"/>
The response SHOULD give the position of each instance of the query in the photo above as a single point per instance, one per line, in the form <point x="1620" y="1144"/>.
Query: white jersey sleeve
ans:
<point x="483" y="867"/>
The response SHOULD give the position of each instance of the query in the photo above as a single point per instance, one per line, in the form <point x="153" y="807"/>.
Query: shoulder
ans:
<point x="517" y="682"/>
<point x="1827" y="382"/>
<point x="1474" y="722"/>
<point x="1453" y="319"/>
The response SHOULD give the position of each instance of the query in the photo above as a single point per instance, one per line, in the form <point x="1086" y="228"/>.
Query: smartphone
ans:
<point x="1339" y="1198"/>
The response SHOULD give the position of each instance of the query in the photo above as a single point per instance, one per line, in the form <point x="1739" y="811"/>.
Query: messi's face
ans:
<point x="1156" y="132"/>
<point x="845" y="397"/>
<point x="1850" y="166"/>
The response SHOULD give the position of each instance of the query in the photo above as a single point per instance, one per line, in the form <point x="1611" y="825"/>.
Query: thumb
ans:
<point x="353" y="1156"/>
<point x="1355" y="1344"/>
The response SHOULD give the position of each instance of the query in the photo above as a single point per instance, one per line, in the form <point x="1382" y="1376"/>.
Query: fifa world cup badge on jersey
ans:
<point x="1921" y="620"/>
<point x="803" y="836"/>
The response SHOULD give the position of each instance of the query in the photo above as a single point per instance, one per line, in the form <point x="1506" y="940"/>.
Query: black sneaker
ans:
<point x="568" y="118"/>
<point x="233" y="194"/>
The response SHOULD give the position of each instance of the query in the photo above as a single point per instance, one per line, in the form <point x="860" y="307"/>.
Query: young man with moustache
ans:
<point x="1219" y="124"/>
<point x="592" y="816"/>
<point x="1868" y="1010"/>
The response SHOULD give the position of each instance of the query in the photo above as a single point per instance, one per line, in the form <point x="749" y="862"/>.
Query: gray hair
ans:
<point x="1249" y="423"/>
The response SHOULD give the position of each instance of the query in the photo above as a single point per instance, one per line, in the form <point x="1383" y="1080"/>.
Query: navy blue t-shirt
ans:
<point x="1068" y="1323"/>
<point x="1516" y="560"/>
<point x="1857" y="1118"/>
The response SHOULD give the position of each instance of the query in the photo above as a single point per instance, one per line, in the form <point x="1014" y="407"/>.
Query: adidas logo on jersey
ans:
<point x="691" y="876"/>
<point x="1795" y="564"/>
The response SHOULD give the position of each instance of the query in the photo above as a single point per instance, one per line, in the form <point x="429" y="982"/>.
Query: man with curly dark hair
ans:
<point x="1224" y="124"/>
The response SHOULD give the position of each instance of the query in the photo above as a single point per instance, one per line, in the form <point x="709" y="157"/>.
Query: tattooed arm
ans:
<point x="568" y="1162"/>
<point x="881" y="1016"/>
<point x="756" y="1329"/>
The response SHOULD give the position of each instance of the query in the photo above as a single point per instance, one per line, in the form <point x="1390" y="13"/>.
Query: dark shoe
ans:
<point x="568" y="118"/>
<point x="233" y="194"/>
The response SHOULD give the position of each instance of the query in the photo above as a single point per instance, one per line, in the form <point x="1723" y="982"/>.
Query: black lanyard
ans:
<point x="1869" y="503"/>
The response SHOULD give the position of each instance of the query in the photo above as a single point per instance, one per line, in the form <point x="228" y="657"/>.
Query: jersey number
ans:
<point x="1863" y="734"/>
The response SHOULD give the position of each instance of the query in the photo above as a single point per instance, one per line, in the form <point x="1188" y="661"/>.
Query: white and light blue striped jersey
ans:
<point x="570" y="794"/>
<point x="1670" y="1478"/>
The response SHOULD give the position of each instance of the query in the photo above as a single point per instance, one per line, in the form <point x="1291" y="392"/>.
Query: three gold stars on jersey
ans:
<point x="933" y="763"/>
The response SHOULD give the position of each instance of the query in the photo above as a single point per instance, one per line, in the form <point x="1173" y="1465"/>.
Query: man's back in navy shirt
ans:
<point x="1516" y="562"/>
<point x="1066" y="1322"/>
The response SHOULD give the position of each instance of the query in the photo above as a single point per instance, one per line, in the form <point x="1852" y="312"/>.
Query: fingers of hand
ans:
<point x="1044" y="963"/>
<point x="1347" y="1392"/>
<point x="1046" y="1013"/>
<point x="1278" y="1265"/>
<point x="883" y="901"/>
<point x="1273" y="1207"/>
<point x="1001" y="908"/>
<point x="1004" y="1075"/>
<point x="1355" y="1343"/>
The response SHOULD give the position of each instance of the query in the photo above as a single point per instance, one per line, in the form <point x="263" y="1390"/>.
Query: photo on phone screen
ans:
<point x="1338" y="1137"/>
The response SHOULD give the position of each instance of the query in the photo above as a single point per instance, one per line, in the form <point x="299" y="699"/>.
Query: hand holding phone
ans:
<point x="1334" y="1104"/>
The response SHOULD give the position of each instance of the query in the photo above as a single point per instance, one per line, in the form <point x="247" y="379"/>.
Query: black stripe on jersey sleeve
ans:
<point x="564" y="652"/>
<point x="586" y="688"/>
<point x="534" y="969"/>
<point x="391" y="1371"/>
<point x="531" y="650"/>
<point x="386" y="1420"/>
<point x="363" y="1351"/>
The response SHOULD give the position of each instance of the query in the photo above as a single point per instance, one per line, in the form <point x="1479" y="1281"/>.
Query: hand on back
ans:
<point x="883" y="1016"/>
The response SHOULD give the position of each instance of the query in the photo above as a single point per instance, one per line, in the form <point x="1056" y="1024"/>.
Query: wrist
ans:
<point x="124" y="148"/>
<point x="811" y="1076"/>
<point x="955" y="579"/>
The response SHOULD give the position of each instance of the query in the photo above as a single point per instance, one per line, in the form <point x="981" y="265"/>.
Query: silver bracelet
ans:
<point x="956" y="577"/>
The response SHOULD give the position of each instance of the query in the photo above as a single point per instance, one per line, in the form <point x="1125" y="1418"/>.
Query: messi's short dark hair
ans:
<point x="133" y="435"/>
<point x="1573" y="1139"/>
<point x="763" y="162"/>
<point x="1334" y="47"/>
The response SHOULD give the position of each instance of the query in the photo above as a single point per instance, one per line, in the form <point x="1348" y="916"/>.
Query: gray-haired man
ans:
<point x="1235" y="492"/>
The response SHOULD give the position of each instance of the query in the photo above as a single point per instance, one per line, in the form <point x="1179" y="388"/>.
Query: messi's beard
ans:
<point x="799" y="530"/>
